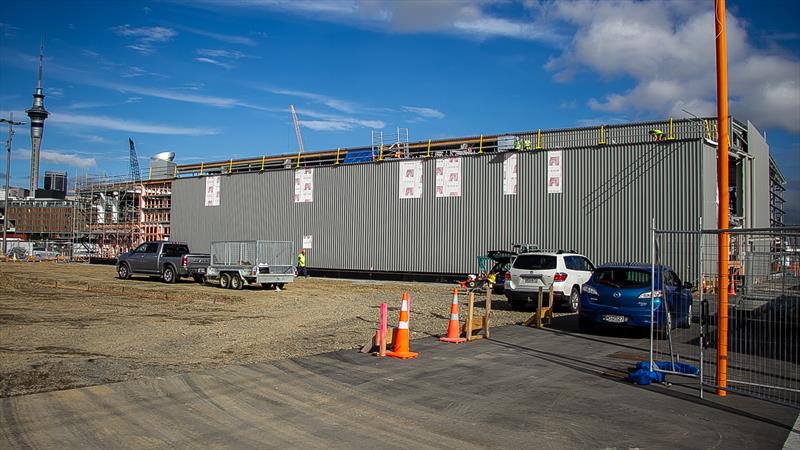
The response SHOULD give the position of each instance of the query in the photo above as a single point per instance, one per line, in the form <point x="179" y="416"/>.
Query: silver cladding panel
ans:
<point x="358" y="221"/>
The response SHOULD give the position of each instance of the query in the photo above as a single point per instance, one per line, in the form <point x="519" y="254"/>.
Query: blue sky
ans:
<point x="212" y="79"/>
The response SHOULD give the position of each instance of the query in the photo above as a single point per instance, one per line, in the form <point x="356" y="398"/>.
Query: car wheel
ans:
<point x="517" y="305"/>
<point x="688" y="322"/>
<point x="574" y="300"/>
<point x="123" y="272"/>
<point x="169" y="275"/>
<point x="224" y="281"/>
<point x="236" y="282"/>
<point x="585" y="325"/>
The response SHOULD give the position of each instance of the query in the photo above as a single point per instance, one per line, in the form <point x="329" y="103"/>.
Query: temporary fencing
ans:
<point x="759" y="355"/>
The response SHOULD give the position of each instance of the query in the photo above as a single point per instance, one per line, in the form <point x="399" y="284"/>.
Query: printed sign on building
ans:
<point x="554" y="172"/>
<point x="510" y="174"/>
<point x="304" y="186"/>
<point x="212" y="191"/>
<point x="307" y="241"/>
<point x="410" y="177"/>
<point x="448" y="177"/>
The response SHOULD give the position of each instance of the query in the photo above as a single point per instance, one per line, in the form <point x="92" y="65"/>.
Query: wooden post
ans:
<point x="488" y="312"/>
<point x="470" y="314"/>
<point x="539" y="309"/>
<point x="550" y="307"/>
<point x="382" y="330"/>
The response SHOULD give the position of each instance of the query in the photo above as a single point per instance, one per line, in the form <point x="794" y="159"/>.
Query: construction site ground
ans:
<point x="71" y="325"/>
<point x="523" y="388"/>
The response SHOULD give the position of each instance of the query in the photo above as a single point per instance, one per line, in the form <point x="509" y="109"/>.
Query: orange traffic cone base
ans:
<point x="457" y="340"/>
<point x="402" y="355"/>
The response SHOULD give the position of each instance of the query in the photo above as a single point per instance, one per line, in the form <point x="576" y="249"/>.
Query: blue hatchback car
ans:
<point x="619" y="294"/>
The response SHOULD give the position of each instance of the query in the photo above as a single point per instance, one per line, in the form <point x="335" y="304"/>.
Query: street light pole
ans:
<point x="11" y="123"/>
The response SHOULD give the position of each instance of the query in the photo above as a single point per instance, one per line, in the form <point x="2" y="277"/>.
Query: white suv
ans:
<point x="566" y="271"/>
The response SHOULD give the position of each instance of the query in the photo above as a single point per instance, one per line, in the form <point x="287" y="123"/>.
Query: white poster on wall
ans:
<point x="304" y="185"/>
<point x="554" y="172"/>
<point x="410" y="179"/>
<point x="448" y="177"/>
<point x="307" y="241"/>
<point x="212" y="191"/>
<point x="510" y="174"/>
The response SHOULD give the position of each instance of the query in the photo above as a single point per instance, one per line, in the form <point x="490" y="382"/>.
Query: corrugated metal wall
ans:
<point x="358" y="221"/>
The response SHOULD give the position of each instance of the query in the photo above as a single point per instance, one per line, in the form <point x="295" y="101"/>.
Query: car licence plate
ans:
<point x="201" y="270"/>
<point x="614" y="318"/>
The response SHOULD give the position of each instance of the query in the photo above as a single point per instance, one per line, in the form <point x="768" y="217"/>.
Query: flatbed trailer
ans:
<point x="238" y="263"/>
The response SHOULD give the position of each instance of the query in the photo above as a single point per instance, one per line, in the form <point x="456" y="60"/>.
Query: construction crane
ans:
<point x="297" y="130"/>
<point x="133" y="172"/>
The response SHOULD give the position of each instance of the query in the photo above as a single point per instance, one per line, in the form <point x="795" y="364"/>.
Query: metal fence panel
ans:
<point x="763" y="340"/>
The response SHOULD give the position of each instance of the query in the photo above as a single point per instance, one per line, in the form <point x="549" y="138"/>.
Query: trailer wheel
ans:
<point x="236" y="282"/>
<point x="266" y="285"/>
<point x="224" y="281"/>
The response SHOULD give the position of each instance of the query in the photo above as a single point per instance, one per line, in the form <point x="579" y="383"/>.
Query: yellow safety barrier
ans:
<point x="602" y="135"/>
<point x="201" y="167"/>
<point x="716" y="133"/>
<point x="539" y="139"/>
<point x="230" y="166"/>
<point x="480" y="146"/>
<point x="380" y="153"/>
<point x="338" y="150"/>
<point x="263" y="160"/>
<point x="429" y="149"/>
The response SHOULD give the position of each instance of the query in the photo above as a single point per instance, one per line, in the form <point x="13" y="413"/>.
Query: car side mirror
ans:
<point x="687" y="285"/>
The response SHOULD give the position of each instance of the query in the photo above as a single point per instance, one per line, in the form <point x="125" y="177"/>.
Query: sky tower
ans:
<point x="37" y="114"/>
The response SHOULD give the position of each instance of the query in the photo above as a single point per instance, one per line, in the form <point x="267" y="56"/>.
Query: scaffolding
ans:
<point x="108" y="216"/>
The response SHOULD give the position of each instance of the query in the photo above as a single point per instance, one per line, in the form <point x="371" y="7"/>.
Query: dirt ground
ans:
<point x="71" y="325"/>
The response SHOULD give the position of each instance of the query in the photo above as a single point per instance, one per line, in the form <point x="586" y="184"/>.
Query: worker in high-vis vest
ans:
<point x="657" y="134"/>
<point x="517" y="143"/>
<point x="528" y="144"/>
<point x="301" y="263"/>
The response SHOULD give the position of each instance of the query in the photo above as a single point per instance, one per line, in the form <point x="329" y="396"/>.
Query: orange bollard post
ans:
<point x="401" y="346"/>
<point x="732" y="287"/>
<point x="453" y="328"/>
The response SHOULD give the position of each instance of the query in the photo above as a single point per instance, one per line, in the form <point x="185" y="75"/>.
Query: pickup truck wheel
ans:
<point x="169" y="275"/>
<point x="236" y="282"/>
<point x="123" y="271"/>
<point x="224" y="281"/>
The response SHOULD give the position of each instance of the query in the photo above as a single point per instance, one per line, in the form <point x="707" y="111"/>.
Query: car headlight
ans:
<point x="589" y="290"/>
<point x="656" y="294"/>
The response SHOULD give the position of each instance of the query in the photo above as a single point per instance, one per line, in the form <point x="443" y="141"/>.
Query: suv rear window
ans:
<point x="535" y="262"/>
<point x="622" y="278"/>
<point x="175" y="250"/>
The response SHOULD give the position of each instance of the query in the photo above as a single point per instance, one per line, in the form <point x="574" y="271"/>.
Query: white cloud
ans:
<point x="428" y="113"/>
<point x="227" y="38"/>
<point x="214" y="62"/>
<point x="466" y="18"/>
<point x="668" y="49"/>
<point x="145" y="37"/>
<point x="335" y="122"/>
<point x="73" y="159"/>
<point x="132" y="126"/>
<point x="221" y="53"/>
<point x="331" y="102"/>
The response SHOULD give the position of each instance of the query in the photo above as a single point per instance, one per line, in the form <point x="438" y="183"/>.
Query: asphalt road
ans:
<point x="524" y="388"/>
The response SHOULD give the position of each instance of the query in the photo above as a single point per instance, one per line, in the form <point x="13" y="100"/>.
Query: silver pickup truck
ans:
<point x="167" y="260"/>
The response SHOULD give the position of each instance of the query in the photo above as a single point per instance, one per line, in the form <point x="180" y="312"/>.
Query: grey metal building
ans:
<point x="613" y="181"/>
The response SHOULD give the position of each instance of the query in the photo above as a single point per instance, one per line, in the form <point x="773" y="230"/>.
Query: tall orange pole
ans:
<point x="722" y="177"/>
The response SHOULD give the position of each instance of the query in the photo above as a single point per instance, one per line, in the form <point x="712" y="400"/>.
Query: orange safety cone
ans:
<point x="453" y="328"/>
<point x="401" y="348"/>
<point x="731" y="287"/>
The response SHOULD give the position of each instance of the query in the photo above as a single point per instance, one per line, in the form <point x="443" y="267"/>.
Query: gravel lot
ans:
<point x="70" y="325"/>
